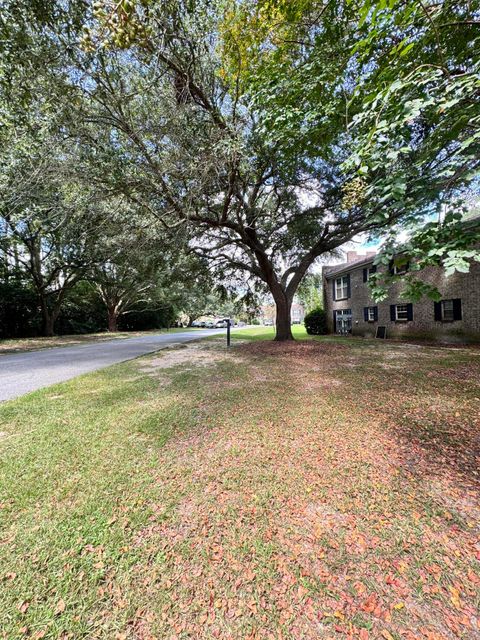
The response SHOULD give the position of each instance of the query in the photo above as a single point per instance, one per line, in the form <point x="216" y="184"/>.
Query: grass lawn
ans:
<point x="29" y="344"/>
<point x="323" y="489"/>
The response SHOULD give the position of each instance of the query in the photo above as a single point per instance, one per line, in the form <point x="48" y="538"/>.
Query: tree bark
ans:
<point x="51" y="313"/>
<point x="283" y="324"/>
<point x="48" y="317"/>
<point x="112" y="321"/>
<point x="48" y="325"/>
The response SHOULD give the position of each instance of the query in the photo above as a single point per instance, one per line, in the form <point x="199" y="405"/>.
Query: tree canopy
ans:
<point x="270" y="132"/>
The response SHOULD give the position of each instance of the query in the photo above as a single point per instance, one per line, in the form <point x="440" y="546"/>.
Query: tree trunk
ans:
<point x="283" y="328"/>
<point x="112" y="321"/>
<point x="48" y="325"/>
<point x="48" y="318"/>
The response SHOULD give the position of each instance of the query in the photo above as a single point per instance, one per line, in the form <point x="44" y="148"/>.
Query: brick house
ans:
<point x="351" y="309"/>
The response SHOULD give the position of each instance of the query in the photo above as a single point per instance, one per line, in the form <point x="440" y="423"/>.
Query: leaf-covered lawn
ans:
<point x="322" y="489"/>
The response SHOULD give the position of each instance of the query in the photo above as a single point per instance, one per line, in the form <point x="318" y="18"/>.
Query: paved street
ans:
<point x="24" y="372"/>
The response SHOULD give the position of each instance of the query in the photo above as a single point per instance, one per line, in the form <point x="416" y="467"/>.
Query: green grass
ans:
<point x="266" y="333"/>
<point x="265" y="490"/>
<point x="72" y="455"/>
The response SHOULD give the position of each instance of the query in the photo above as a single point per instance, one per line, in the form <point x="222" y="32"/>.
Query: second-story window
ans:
<point x="341" y="288"/>
<point x="399" y="266"/>
<point x="367" y="272"/>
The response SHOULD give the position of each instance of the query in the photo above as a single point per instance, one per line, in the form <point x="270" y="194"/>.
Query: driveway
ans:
<point x="24" y="372"/>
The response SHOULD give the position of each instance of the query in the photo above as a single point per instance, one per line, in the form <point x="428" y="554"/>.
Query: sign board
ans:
<point x="381" y="332"/>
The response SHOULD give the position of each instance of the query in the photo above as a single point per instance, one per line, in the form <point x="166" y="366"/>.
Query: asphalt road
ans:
<point x="24" y="372"/>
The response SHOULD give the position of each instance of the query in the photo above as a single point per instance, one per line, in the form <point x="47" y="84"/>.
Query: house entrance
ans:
<point x="343" y="321"/>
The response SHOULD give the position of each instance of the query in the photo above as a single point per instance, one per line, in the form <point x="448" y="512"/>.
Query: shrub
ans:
<point x="316" y="322"/>
<point x="82" y="311"/>
<point x="19" y="312"/>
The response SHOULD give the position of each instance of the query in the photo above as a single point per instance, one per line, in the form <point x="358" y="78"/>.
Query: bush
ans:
<point x="316" y="322"/>
<point x="19" y="312"/>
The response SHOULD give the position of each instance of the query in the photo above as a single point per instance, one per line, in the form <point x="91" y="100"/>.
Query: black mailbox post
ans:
<point x="228" y="332"/>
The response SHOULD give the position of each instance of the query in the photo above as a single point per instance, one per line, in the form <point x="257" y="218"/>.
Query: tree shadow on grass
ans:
<point x="432" y="407"/>
<point x="449" y="448"/>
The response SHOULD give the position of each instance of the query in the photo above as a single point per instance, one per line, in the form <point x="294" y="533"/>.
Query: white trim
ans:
<point x="404" y="311"/>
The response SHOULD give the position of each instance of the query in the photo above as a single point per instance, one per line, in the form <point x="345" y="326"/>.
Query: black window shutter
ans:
<point x="437" y="308"/>
<point x="390" y="267"/>
<point x="365" y="314"/>
<point x="365" y="274"/>
<point x="375" y="314"/>
<point x="334" y="321"/>
<point x="333" y="283"/>
<point x="457" y="309"/>
<point x="409" y="311"/>
<point x="349" y="289"/>
<point x="373" y="268"/>
<point x="392" y="312"/>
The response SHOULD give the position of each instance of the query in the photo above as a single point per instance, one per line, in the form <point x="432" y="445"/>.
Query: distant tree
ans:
<point x="194" y="295"/>
<point x="310" y="292"/>
<point x="127" y="271"/>
<point x="120" y="287"/>
<point x="50" y="221"/>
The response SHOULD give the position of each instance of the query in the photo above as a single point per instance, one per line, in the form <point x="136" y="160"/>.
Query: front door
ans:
<point x="343" y="321"/>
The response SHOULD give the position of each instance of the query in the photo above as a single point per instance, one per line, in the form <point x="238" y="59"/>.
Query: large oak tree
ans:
<point x="195" y="151"/>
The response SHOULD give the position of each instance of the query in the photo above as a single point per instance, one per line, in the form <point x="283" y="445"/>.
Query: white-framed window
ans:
<point x="371" y="314"/>
<point x="401" y="312"/>
<point x="447" y="311"/>
<point x="341" y="288"/>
